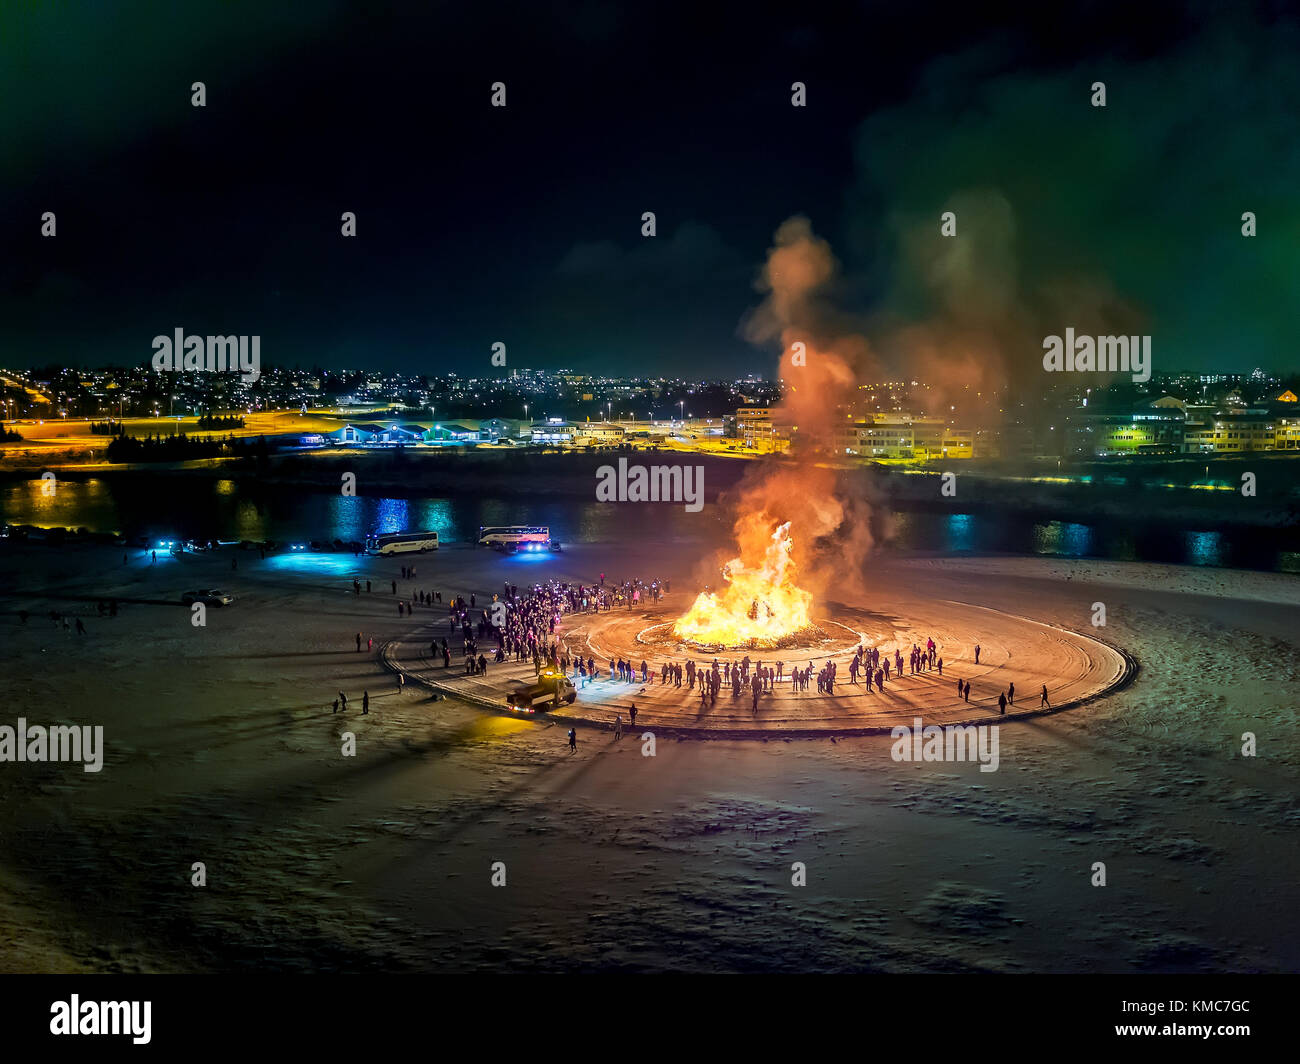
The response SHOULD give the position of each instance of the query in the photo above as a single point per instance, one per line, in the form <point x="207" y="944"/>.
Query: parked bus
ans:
<point x="402" y="542"/>
<point x="505" y="535"/>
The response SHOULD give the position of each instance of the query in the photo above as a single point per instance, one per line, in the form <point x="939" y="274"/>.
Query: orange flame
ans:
<point x="760" y="606"/>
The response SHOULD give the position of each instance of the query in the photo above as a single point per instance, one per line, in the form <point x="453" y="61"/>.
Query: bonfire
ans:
<point x="761" y="607"/>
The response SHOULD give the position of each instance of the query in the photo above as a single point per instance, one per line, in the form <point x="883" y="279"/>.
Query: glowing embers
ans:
<point x="761" y="607"/>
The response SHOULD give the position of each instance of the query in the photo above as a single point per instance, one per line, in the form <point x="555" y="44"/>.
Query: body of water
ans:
<point x="225" y="509"/>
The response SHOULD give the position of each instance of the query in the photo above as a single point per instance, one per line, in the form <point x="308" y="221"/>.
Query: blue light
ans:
<point x="959" y="532"/>
<point x="337" y="564"/>
<point x="1204" y="548"/>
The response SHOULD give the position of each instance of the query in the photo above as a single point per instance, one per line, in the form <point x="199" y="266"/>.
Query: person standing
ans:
<point x="977" y="653"/>
<point x="344" y="700"/>
<point x="573" y="741"/>
<point x="631" y="713"/>
<point x="365" y="702"/>
<point x="618" y="726"/>
<point x="1002" y="703"/>
<point x="1011" y="693"/>
<point x="358" y="642"/>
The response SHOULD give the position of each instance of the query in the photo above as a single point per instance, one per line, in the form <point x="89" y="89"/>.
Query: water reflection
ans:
<point x="960" y="532"/>
<point x="230" y="509"/>
<point x="1204" y="548"/>
<point x="1063" y="538"/>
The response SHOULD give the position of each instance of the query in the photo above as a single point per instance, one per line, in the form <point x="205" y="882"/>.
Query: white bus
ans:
<point x="402" y="542"/>
<point x="492" y="535"/>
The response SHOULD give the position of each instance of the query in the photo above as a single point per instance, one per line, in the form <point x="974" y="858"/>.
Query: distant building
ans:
<point x="905" y="436"/>
<point x="757" y="428"/>
<point x="555" y="430"/>
<point x="598" y="432"/>
<point x="1287" y="436"/>
<point x="454" y="432"/>
<point x="1152" y="428"/>
<point x="492" y="429"/>
<point x="361" y="433"/>
<point x="372" y="434"/>
<point x="1216" y="431"/>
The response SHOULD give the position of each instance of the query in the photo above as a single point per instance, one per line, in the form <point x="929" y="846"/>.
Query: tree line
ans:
<point x="182" y="447"/>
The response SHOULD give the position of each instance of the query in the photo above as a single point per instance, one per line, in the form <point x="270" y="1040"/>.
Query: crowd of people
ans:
<point x="527" y="627"/>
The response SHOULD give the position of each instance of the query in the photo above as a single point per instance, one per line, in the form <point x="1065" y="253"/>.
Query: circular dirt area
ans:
<point x="1013" y="650"/>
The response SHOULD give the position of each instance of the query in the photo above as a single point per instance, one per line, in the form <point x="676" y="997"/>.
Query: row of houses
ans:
<point x="493" y="430"/>
<point x="397" y="433"/>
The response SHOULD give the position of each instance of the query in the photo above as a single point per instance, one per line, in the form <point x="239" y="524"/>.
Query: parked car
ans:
<point x="208" y="596"/>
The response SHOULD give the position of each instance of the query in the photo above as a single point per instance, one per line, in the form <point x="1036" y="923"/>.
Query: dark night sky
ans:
<point x="522" y="225"/>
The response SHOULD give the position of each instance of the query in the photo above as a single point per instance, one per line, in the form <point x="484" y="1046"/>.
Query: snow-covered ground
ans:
<point x="221" y="747"/>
